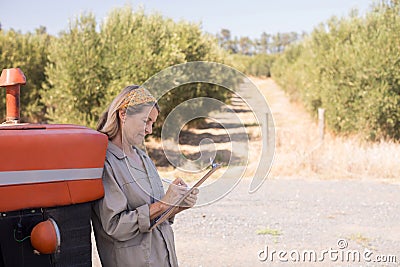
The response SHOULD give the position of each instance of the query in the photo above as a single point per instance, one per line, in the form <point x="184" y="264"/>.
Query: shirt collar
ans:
<point x="116" y="151"/>
<point x="140" y="152"/>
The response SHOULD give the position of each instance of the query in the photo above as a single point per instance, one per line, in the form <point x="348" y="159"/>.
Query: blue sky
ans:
<point x="242" y="17"/>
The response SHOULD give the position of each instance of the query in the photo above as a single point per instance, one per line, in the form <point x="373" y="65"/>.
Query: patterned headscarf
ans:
<point x="136" y="97"/>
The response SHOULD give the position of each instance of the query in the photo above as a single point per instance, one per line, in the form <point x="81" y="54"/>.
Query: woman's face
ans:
<point x="137" y="126"/>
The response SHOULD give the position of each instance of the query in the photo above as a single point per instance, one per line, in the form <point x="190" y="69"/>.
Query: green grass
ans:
<point x="269" y="231"/>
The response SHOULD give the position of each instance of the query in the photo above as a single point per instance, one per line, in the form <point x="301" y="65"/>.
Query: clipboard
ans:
<point x="166" y="214"/>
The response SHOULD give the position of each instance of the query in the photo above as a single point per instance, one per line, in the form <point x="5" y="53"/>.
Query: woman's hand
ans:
<point x="191" y="199"/>
<point x="175" y="191"/>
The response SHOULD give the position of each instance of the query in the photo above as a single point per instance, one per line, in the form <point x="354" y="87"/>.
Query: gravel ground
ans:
<point x="297" y="215"/>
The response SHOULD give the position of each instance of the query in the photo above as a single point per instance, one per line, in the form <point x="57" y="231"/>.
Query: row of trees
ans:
<point x="71" y="78"/>
<point x="256" y="56"/>
<point x="266" y="44"/>
<point x="350" y="67"/>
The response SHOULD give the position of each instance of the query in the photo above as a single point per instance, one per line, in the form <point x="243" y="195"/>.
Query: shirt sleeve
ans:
<point x="117" y="221"/>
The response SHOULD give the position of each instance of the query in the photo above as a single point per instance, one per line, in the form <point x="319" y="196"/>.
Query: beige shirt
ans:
<point x="121" y="220"/>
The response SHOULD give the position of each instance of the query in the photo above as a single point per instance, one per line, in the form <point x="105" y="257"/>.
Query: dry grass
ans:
<point x="337" y="158"/>
<point x="301" y="152"/>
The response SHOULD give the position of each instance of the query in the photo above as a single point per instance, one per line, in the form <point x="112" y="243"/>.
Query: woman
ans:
<point x="134" y="195"/>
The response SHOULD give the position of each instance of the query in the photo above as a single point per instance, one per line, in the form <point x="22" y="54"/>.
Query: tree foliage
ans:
<point x="90" y="64"/>
<point x="77" y="74"/>
<point x="350" y="67"/>
<point x="255" y="65"/>
<point x="255" y="56"/>
<point x="71" y="78"/>
<point x="29" y="53"/>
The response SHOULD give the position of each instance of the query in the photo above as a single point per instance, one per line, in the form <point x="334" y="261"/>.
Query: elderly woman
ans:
<point x="134" y="195"/>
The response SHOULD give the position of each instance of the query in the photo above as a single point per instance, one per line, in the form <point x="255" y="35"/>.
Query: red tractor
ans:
<point x="49" y="175"/>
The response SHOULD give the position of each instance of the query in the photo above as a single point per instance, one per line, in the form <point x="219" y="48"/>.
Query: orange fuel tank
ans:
<point x="49" y="165"/>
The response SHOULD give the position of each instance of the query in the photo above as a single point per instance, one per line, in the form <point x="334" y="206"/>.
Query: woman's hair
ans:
<point x="109" y="123"/>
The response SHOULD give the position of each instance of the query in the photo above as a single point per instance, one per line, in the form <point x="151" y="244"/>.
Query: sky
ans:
<point x="242" y="17"/>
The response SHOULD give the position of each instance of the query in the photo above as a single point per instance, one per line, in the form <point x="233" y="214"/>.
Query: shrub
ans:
<point x="349" y="66"/>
